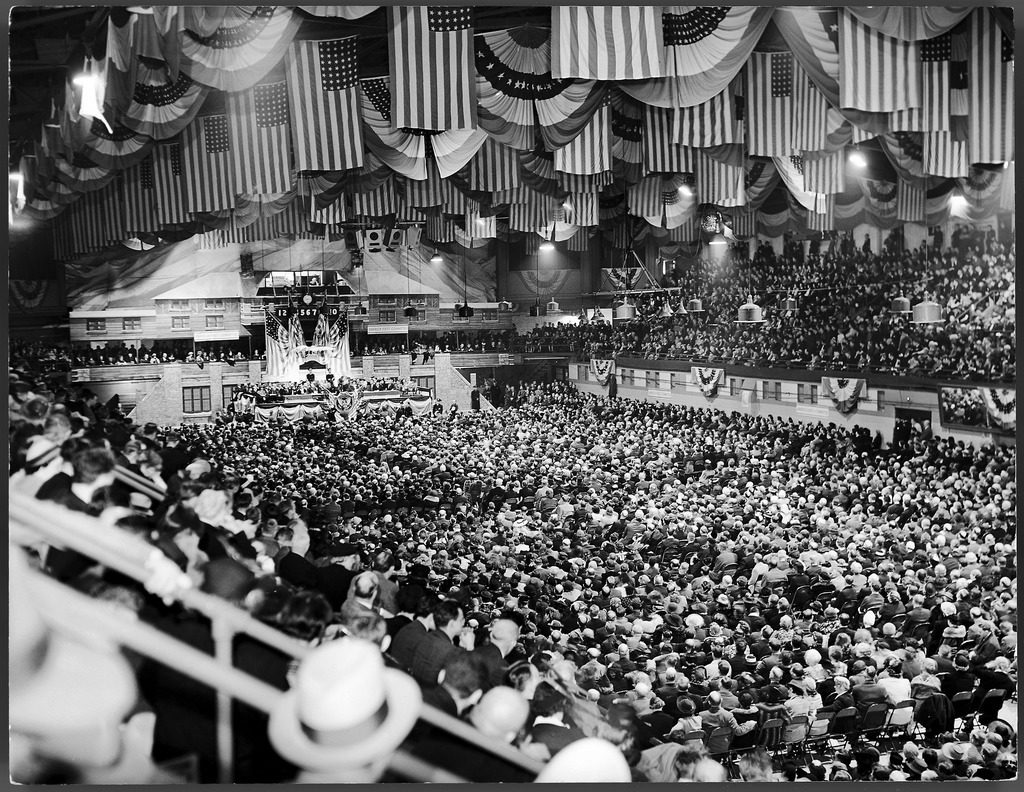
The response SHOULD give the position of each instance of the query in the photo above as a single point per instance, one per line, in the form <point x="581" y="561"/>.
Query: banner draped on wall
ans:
<point x="708" y="379"/>
<point x="287" y="349"/>
<point x="845" y="393"/>
<point x="1001" y="404"/>
<point x="602" y="370"/>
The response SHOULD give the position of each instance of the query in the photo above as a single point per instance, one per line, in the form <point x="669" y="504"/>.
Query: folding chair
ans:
<point x="873" y="722"/>
<point x="990" y="706"/>
<point x="843" y="725"/>
<point x="900" y="721"/>
<point x="818" y="731"/>
<point x="693" y="738"/>
<point x="962" y="710"/>
<point x="719" y="742"/>
<point x="769" y="736"/>
<point x="794" y="734"/>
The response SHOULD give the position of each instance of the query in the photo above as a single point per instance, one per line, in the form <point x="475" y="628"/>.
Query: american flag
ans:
<point x="433" y="70"/>
<point x="824" y="172"/>
<point x="278" y="347"/>
<point x="95" y="220"/>
<point x="991" y="99"/>
<point x="139" y="189"/>
<point x="260" y="136"/>
<point x="810" y="113"/>
<point x="425" y="193"/>
<point x="877" y="73"/>
<point x="375" y="203"/>
<point x="320" y="333"/>
<point x="209" y="174"/>
<point x="710" y="123"/>
<point x="169" y="183"/>
<point x="910" y="202"/>
<point x="296" y="338"/>
<point x="590" y="152"/>
<point x="770" y="104"/>
<point x="942" y="155"/>
<point x="439" y="228"/>
<point x="582" y="209"/>
<point x="494" y="167"/>
<point x="718" y="182"/>
<point x="399" y="149"/>
<point x="327" y="127"/>
<point x="607" y="42"/>
<point x="660" y="154"/>
<point x="531" y="216"/>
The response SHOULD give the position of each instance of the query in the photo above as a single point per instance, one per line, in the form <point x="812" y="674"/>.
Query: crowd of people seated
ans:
<point x="842" y="321"/>
<point x="597" y="583"/>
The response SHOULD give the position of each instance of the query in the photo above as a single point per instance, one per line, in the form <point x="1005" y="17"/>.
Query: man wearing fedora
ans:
<point x="334" y="578"/>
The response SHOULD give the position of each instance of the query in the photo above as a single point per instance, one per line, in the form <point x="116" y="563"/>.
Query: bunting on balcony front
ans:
<point x="845" y="393"/>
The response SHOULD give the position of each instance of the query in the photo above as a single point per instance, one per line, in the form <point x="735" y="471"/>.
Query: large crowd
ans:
<point x="842" y="321"/>
<point x="603" y="585"/>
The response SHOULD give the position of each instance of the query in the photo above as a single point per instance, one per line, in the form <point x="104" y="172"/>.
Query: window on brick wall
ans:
<point x="227" y="394"/>
<point x="195" y="399"/>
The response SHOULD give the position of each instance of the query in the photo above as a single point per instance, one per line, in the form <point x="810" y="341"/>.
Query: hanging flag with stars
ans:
<point x="877" y="73"/>
<point x="400" y="149"/>
<point x="990" y="135"/>
<point x="327" y="131"/>
<point x="770" y="104"/>
<point x="590" y="152"/>
<point x="209" y="173"/>
<point x="139" y="197"/>
<point x="260" y="135"/>
<point x="433" y="72"/>
<point x="168" y="183"/>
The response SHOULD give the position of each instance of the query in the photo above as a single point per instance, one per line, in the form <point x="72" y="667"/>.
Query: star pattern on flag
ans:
<point x="271" y="101"/>
<point x="338" y="64"/>
<point x="215" y="134"/>
<point x="379" y="94"/>
<point x="691" y="27"/>
<point x="1007" y="51"/>
<point x="445" y="19"/>
<point x="175" y="156"/>
<point x="233" y="37"/>
<point x="146" y="174"/>
<point x="782" y="74"/>
<point x="939" y="48"/>
<point x="798" y="163"/>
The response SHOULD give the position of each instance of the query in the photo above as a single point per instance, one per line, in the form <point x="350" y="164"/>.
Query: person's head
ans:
<point x="463" y="676"/>
<point x="504" y="635"/>
<point x="365" y="587"/>
<point x="361" y="622"/>
<point x="500" y="713"/>
<point x="304" y="615"/>
<point x="448" y="617"/>
<point x="94" y="466"/>
<point x="547" y="701"/>
<point x="756" y="766"/>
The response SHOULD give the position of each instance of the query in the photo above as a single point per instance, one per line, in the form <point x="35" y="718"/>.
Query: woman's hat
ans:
<point x="588" y="760"/>
<point x="343" y="690"/>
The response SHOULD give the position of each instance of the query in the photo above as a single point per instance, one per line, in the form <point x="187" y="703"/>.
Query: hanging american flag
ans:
<point x="607" y="42"/>
<point x="718" y="182"/>
<point x="375" y="203"/>
<point x="590" y="152"/>
<point x="710" y="123"/>
<point x="770" y="104"/>
<point x="139" y="191"/>
<point x="941" y="155"/>
<point x="278" y="347"/>
<point x="439" y="228"/>
<point x="494" y="167"/>
<point x="425" y="193"/>
<point x="169" y="183"/>
<point x="991" y="99"/>
<point x="959" y="84"/>
<point x="433" y="71"/>
<point x="810" y="113"/>
<point x="582" y="209"/>
<point x="296" y="338"/>
<point x="531" y="216"/>
<point x="327" y="127"/>
<point x="823" y="221"/>
<point x="877" y="73"/>
<point x="95" y="220"/>
<point x="660" y="153"/>
<point x="260" y="138"/>
<point x="320" y="332"/>
<point x="824" y="172"/>
<point x="209" y="175"/>
<point x="910" y="202"/>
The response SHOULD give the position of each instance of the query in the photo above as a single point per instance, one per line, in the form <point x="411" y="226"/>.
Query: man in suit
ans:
<point x="504" y="635"/>
<point x="292" y="567"/>
<point x="868" y="692"/>
<point x="343" y="565"/>
<point x="439" y="644"/>
<point x="961" y="679"/>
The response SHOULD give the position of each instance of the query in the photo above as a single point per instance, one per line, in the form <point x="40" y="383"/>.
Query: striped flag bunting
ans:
<point x="531" y="216"/>
<point x="941" y="155"/>
<point x="590" y="152"/>
<point x="711" y="123"/>
<point x="278" y="346"/>
<point x="454" y="148"/>
<point x="433" y="70"/>
<point x="63" y="247"/>
<point x="959" y="83"/>
<point x="685" y="231"/>
<point x="96" y="221"/>
<point x="375" y="203"/>
<point x="260" y="137"/>
<point x="582" y="209"/>
<point x="990" y="98"/>
<point x="825" y="172"/>
<point x="936" y="57"/>
<point x="660" y="154"/>
<point x="607" y="42"/>
<point x="910" y="202"/>
<point x="877" y="73"/>
<point x="531" y="244"/>
<point x="139" y="189"/>
<point x="399" y="149"/>
<point x="823" y="221"/>
<point x="426" y="193"/>
<point x="331" y="214"/>
<point x="169" y="183"/>
<point x="455" y="201"/>
<point x="494" y="167"/>
<point x="744" y="223"/>
<point x="810" y="113"/>
<point x="718" y="182"/>
<point x="481" y="227"/>
<point x="570" y="182"/>
<point x="326" y="123"/>
<point x="580" y="241"/>
<point x="209" y="176"/>
<point x="770" y="104"/>
<point x="439" y="228"/>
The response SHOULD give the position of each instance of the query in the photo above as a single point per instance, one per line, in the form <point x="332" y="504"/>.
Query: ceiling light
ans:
<point x="437" y="258"/>
<point x="857" y="159"/>
<point x="546" y="246"/>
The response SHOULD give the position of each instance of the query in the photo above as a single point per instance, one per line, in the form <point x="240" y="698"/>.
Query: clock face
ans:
<point x="307" y="299"/>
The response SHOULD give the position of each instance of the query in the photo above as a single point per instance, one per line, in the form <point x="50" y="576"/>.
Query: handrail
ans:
<point x="80" y="616"/>
<point x="125" y="553"/>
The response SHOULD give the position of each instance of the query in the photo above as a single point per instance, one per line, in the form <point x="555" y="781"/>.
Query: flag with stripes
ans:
<point x="590" y="152"/>
<point x="990" y="98"/>
<point x="647" y="197"/>
<point x="531" y="216"/>
<point x="941" y="155"/>
<point x="711" y="123"/>
<point x="209" y="173"/>
<point x="582" y="209"/>
<point x="399" y="149"/>
<point x="823" y="221"/>
<point x="660" y="154"/>
<point x="95" y="220"/>
<point x="824" y="172"/>
<point x="278" y="347"/>
<point x="718" y="182"/>
<point x="580" y="241"/>
<point x="770" y="104"/>
<point x="169" y="183"/>
<point x="810" y="113"/>
<point x="260" y="138"/>
<point x="433" y="71"/>
<point x="494" y="167"/>
<point x="321" y="331"/>
<point x="481" y="227"/>
<point x="375" y="203"/>
<point x="877" y="73"/>
<point x="439" y="228"/>
<point x="910" y="202"/>
<point x="455" y="201"/>
<point x="607" y="42"/>
<point x="426" y="192"/>
<point x="959" y="84"/>
<point x="326" y="124"/>
<point x="296" y="338"/>
<point x="139" y="190"/>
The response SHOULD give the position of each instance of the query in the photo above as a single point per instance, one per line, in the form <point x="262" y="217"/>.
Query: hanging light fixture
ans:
<point x="789" y="305"/>
<point x="409" y="310"/>
<point x="681" y="310"/>
<point x="437" y="258"/>
<point x="666" y="311"/>
<point x="750" y="312"/>
<point x="582" y="318"/>
<point x="625" y="310"/>
<point x="927" y="312"/>
<point x="552" y="306"/>
<point x="900" y="305"/>
<point x="695" y="306"/>
<point x="597" y="317"/>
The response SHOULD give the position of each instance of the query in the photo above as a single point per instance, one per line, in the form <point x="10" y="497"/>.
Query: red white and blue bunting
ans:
<point x="845" y="393"/>
<point x="708" y="379"/>
<point x="1001" y="404"/>
<point x="602" y="370"/>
